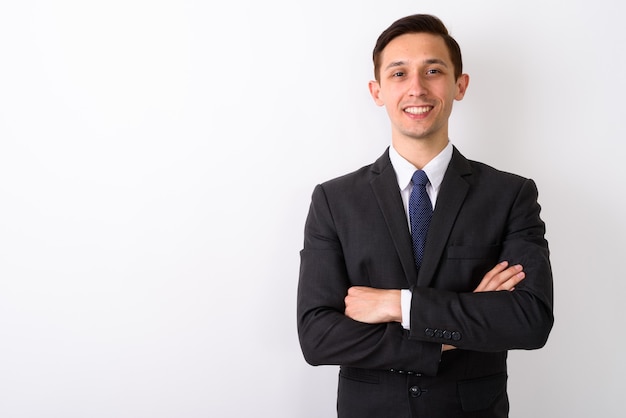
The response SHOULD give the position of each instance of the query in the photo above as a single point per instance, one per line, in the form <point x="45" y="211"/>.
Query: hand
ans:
<point x="376" y="306"/>
<point x="373" y="306"/>
<point x="501" y="277"/>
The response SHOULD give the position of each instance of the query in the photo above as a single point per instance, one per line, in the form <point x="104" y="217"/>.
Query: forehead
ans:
<point x="412" y="47"/>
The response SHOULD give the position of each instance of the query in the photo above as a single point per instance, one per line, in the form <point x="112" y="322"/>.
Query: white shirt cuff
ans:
<point x="405" y="306"/>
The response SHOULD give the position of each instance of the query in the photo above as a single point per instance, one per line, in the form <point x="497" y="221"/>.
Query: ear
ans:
<point x="461" y="84"/>
<point x="374" y="87"/>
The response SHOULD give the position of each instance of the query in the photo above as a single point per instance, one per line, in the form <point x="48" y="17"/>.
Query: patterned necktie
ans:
<point x="420" y="212"/>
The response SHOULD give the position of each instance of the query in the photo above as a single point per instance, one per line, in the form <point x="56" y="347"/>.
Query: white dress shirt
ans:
<point x="435" y="170"/>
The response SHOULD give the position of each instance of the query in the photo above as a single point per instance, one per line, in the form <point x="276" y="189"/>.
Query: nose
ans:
<point x="417" y="87"/>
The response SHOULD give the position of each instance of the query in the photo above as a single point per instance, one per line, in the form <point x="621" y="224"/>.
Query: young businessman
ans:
<point x="411" y="274"/>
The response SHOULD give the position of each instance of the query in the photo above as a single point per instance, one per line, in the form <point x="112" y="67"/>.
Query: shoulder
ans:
<point x="358" y="178"/>
<point x="478" y="172"/>
<point x="483" y="170"/>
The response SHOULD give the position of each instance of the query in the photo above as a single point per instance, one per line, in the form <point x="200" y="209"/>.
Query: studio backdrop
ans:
<point x="157" y="160"/>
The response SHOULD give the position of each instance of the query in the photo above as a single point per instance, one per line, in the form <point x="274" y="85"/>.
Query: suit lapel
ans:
<point x="385" y="187"/>
<point x="454" y="189"/>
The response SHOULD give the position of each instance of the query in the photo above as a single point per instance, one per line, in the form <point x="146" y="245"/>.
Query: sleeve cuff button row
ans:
<point x="445" y="334"/>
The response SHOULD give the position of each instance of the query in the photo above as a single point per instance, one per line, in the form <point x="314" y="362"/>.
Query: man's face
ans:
<point x="417" y="87"/>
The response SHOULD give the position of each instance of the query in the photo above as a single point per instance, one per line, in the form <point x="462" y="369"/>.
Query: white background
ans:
<point x="156" y="164"/>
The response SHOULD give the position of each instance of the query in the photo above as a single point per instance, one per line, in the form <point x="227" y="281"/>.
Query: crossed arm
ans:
<point x="360" y="326"/>
<point x="375" y="306"/>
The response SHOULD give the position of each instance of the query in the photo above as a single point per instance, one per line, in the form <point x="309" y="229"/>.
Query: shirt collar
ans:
<point x="435" y="169"/>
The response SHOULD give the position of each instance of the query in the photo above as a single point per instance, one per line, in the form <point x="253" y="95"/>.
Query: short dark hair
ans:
<point x="418" y="23"/>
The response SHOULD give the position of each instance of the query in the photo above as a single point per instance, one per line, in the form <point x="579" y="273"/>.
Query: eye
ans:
<point x="398" y="74"/>
<point x="433" y="71"/>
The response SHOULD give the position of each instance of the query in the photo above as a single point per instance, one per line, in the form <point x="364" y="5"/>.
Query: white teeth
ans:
<point x="417" y="110"/>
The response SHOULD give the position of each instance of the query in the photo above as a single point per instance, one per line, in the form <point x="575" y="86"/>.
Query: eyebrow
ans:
<point x="436" y="61"/>
<point x="426" y="61"/>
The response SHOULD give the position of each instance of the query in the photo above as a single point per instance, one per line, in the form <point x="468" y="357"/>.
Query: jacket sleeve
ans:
<point x="496" y="321"/>
<point x="326" y="335"/>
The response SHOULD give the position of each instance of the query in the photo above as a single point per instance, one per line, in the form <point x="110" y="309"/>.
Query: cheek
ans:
<point x="451" y="96"/>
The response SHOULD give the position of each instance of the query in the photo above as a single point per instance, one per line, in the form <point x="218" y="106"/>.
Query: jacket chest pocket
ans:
<point x="474" y="252"/>
<point x="465" y="265"/>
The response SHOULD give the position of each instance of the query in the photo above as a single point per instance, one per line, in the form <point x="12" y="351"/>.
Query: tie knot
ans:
<point x="420" y="177"/>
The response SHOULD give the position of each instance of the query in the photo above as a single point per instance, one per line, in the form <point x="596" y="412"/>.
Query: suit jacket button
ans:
<point x="415" y="391"/>
<point x="456" y="336"/>
<point x="429" y="332"/>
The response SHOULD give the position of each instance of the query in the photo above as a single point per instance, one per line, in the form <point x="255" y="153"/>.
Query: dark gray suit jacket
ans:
<point x="356" y="233"/>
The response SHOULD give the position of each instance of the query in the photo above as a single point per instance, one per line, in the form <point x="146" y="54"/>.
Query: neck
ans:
<point x="419" y="152"/>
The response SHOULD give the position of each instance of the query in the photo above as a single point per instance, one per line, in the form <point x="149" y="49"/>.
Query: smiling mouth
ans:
<point x="418" y="110"/>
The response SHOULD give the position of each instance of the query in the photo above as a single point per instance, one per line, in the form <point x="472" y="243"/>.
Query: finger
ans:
<point x="505" y="280"/>
<point x="491" y="274"/>
<point x="497" y="269"/>
<point x="512" y="281"/>
<point x="354" y="289"/>
<point x="508" y="276"/>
